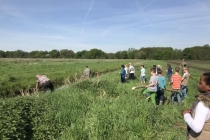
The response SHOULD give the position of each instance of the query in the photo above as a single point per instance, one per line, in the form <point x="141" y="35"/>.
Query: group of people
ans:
<point x="197" y="117"/>
<point x="157" y="84"/>
<point x="127" y="72"/>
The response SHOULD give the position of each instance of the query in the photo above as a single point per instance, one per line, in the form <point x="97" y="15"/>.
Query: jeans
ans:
<point x="160" y="95"/>
<point x="177" y="95"/>
<point x="122" y="79"/>
<point x="131" y="76"/>
<point x="143" y="78"/>
<point x="169" y="77"/>
<point x="184" y="90"/>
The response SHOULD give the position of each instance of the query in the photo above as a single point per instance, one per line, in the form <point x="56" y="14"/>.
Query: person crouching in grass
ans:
<point x="152" y="87"/>
<point x="161" y="87"/>
<point x="198" y="116"/>
<point x="43" y="83"/>
<point x="175" y="84"/>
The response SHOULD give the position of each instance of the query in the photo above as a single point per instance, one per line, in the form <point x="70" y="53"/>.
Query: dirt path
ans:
<point x="190" y="66"/>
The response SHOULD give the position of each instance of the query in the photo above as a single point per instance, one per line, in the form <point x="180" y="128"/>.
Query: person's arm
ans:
<point x="37" y="85"/>
<point x="183" y="77"/>
<point x="197" y="123"/>
<point x="151" y="84"/>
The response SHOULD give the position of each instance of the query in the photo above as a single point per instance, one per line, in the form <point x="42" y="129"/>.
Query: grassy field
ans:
<point x="18" y="75"/>
<point x="101" y="108"/>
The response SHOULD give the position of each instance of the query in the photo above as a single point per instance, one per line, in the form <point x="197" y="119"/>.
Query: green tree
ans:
<point x="2" y="54"/>
<point x="54" y="54"/>
<point x="131" y="53"/>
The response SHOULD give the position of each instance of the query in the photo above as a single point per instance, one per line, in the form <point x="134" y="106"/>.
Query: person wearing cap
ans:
<point x="43" y="83"/>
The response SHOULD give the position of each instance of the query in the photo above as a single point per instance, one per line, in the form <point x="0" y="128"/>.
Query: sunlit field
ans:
<point x="100" y="108"/>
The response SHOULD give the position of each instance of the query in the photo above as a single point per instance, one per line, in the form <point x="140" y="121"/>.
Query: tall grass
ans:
<point x="97" y="109"/>
<point x="19" y="74"/>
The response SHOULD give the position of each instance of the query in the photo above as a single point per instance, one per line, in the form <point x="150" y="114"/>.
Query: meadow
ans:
<point x="18" y="75"/>
<point x="100" y="108"/>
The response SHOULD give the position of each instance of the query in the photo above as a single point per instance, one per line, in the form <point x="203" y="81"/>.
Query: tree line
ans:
<point x="157" y="53"/>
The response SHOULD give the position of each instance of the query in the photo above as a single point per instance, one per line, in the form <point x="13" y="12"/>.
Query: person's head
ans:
<point x="122" y="66"/>
<point x="86" y="66"/>
<point x="183" y="60"/>
<point x="130" y="64"/>
<point x="177" y="69"/>
<point x="204" y="84"/>
<point x="38" y="75"/>
<point x="142" y="66"/>
<point x="185" y="69"/>
<point x="154" y="66"/>
<point x="159" y="72"/>
<point x="126" y="65"/>
<point x="152" y="71"/>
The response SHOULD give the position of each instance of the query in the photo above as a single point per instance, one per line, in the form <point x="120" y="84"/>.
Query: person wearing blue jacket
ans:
<point x="122" y="73"/>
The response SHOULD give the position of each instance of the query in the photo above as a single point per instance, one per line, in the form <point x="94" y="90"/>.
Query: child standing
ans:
<point x="169" y="71"/>
<point x="132" y="71"/>
<point x="142" y="74"/>
<point x="175" y="84"/>
<point x="161" y="87"/>
<point x="152" y="87"/>
<point x="184" y="82"/>
<point x="126" y="71"/>
<point x="122" y="73"/>
<point x="198" y="116"/>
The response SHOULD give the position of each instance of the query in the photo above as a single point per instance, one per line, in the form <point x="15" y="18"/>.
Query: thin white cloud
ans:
<point x="90" y="8"/>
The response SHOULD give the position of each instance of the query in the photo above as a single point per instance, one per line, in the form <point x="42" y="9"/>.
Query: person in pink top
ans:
<point x="43" y="83"/>
<point x="175" y="84"/>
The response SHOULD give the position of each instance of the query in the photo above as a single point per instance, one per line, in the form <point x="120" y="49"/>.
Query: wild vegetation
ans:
<point x="18" y="75"/>
<point x="99" y="108"/>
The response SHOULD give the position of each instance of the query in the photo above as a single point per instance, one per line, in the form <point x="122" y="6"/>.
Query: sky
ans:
<point x="108" y="25"/>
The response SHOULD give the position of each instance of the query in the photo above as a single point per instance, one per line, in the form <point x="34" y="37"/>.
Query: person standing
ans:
<point x="198" y="116"/>
<point x="183" y="65"/>
<point x="142" y="74"/>
<point x="152" y="87"/>
<point x="184" y="82"/>
<point x="169" y="72"/>
<point x="43" y="83"/>
<point x="126" y="71"/>
<point x="132" y="71"/>
<point x="87" y="72"/>
<point x="122" y="74"/>
<point x="175" y="84"/>
<point x="161" y="87"/>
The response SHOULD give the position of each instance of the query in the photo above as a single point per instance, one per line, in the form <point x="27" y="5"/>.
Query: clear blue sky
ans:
<point x="109" y="25"/>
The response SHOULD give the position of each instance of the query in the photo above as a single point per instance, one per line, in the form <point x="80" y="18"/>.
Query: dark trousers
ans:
<point x="47" y="85"/>
<point x="131" y="76"/>
<point x="122" y="79"/>
<point x="160" y="95"/>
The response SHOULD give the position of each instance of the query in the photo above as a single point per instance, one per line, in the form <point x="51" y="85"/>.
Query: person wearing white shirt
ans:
<point x="132" y="71"/>
<point x="198" y="116"/>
